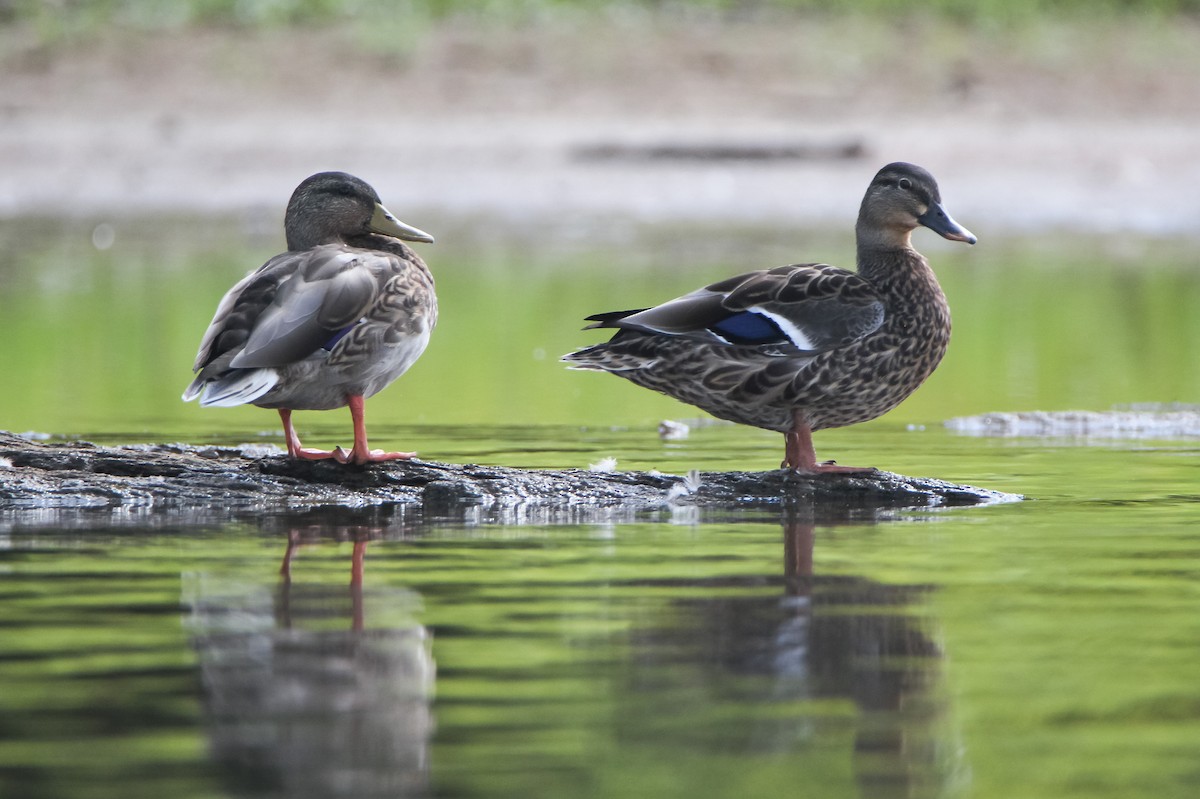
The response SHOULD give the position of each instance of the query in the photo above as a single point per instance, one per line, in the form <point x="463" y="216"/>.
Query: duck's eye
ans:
<point x="904" y="183"/>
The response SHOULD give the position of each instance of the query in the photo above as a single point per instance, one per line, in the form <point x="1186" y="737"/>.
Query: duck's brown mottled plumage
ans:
<point x="803" y="347"/>
<point x="343" y="313"/>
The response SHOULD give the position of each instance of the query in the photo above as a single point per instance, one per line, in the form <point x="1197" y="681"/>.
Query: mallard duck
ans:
<point x="347" y="310"/>
<point x="803" y="347"/>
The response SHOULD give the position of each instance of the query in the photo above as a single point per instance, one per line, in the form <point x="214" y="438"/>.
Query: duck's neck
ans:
<point x="882" y="250"/>
<point x="879" y="246"/>
<point x="888" y="261"/>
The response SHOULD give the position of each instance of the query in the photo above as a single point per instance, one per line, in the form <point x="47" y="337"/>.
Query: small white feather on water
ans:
<point x="673" y="431"/>
<point x="605" y="465"/>
<point x="690" y="484"/>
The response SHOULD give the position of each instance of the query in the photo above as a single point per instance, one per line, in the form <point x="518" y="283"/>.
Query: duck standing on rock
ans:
<point x="803" y="347"/>
<point x="347" y="310"/>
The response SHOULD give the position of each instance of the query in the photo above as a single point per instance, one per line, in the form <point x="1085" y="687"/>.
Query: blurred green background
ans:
<point x="149" y="149"/>
<point x="101" y="342"/>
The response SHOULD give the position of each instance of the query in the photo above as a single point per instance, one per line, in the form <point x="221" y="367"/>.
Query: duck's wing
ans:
<point x="210" y="347"/>
<point x="292" y="306"/>
<point x="329" y="289"/>
<point x="799" y="309"/>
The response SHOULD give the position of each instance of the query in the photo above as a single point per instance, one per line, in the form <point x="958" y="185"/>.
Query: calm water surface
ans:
<point x="1046" y="648"/>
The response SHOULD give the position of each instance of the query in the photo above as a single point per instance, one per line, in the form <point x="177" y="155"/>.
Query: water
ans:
<point x="1045" y="648"/>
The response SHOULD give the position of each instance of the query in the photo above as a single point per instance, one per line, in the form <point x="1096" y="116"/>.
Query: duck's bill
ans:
<point x="941" y="223"/>
<point x="383" y="222"/>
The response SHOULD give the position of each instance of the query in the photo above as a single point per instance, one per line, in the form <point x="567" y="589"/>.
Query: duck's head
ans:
<point x="901" y="198"/>
<point x="332" y="207"/>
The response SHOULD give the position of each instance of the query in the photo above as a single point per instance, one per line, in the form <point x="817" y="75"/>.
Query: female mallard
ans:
<point x="803" y="347"/>
<point x="329" y="323"/>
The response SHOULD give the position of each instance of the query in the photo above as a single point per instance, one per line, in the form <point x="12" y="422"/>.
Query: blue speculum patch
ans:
<point x="336" y="337"/>
<point x="748" y="327"/>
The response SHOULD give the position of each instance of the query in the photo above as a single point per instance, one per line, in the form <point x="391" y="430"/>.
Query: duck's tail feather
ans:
<point x="599" y="358"/>
<point x="232" y="388"/>
<point x="194" y="388"/>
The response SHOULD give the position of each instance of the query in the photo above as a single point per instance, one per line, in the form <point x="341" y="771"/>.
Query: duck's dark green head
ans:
<point x="332" y="207"/>
<point x="902" y="197"/>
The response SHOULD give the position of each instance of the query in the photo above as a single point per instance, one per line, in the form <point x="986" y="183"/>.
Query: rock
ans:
<point x="1159" y="422"/>
<point x="224" y="481"/>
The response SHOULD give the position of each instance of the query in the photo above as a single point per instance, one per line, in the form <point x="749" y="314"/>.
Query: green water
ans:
<point x="100" y="343"/>
<point x="1046" y="648"/>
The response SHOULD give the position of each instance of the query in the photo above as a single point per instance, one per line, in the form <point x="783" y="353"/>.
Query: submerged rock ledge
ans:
<point x="182" y="478"/>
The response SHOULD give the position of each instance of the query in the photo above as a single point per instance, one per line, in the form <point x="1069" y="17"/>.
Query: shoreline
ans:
<point x="473" y="121"/>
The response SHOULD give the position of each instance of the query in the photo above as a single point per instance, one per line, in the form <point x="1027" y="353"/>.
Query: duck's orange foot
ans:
<point x="311" y="454"/>
<point x="364" y="456"/>
<point x="828" y="467"/>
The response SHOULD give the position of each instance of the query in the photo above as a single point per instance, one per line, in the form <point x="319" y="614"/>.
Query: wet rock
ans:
<point x="441" y="496"/>
<point x="40" y="475"/>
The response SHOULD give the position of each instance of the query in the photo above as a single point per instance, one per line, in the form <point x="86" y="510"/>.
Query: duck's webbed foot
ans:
<point x="312" y="454"/>
<point x="828" y="467"/>
<point x="363" y="455"/>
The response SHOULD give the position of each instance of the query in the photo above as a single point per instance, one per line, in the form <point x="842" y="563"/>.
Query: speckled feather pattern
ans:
<point x="393" y="300"/>
<point x="391" y="336"/>
<point x="854" y="382"/>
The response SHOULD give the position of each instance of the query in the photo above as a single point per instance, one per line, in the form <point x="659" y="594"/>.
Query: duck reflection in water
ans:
<point x="793" y="657"/>
<point x="313" y="689"/>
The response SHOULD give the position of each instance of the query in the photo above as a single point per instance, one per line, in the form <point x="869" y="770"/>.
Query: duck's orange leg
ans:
<point x="293" y="441"/>
<point x="799" y="455"/>
<point x="362" y="453"/>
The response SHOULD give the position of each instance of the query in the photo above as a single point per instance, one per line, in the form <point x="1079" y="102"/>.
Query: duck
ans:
<point x="803" y="347"/>
<point x="329" y="323"/>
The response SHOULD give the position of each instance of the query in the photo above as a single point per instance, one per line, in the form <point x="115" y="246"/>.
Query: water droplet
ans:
<point x="103" y="236"/>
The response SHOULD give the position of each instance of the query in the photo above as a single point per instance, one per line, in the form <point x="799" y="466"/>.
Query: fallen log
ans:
<point x="186" y="479"/>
